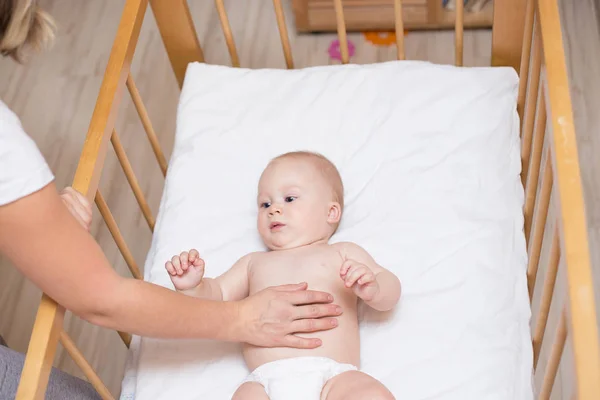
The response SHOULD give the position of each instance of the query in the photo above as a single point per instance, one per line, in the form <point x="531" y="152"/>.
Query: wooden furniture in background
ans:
<point x="378" y="15"/>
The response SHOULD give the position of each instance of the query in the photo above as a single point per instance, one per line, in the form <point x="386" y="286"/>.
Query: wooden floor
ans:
<point x="55" y="93"/>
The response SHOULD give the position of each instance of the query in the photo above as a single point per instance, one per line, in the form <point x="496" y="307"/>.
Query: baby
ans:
<point x="300" y="203"/>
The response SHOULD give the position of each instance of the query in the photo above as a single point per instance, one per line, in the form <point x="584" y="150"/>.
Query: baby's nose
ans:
<point x="275" y="209"/>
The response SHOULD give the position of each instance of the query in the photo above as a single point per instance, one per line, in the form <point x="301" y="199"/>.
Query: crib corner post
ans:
<point x="507" y="32"/>
<point x="178" y="34"/>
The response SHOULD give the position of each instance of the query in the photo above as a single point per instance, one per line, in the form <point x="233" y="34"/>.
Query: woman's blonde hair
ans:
<point x="23" y="24"/>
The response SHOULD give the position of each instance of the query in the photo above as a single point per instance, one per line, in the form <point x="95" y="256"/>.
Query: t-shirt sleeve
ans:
<point x="23" y="169"/>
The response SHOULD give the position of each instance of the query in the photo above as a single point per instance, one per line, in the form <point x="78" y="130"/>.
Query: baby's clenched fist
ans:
<point x="360" y="278"/>
<point x="186" y="270"/>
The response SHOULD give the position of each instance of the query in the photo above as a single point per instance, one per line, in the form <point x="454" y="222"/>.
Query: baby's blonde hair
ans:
<point x="23" y="24"/>
<point x="325" y="167"/>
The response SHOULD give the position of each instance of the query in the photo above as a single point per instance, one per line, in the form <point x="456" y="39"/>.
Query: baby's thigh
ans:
<point x="250" y="391"/>
<point x="355" y="385"/>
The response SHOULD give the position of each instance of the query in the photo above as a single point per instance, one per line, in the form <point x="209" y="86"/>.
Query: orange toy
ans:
<point x="382" y="38"/>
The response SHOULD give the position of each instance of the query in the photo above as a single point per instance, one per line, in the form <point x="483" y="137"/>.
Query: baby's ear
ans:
<point x="335" y="213"/>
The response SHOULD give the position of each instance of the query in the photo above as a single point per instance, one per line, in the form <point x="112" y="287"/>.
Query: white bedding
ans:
<point x="429" y="156"/>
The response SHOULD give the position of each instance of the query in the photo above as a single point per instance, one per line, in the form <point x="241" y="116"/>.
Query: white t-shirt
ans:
<point x="23" y="169"/>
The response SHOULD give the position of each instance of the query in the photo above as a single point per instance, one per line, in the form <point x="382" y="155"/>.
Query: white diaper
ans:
<point x="298" y="378"/>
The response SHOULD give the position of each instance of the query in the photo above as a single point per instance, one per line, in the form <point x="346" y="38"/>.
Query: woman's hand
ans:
<point x="270" y="318"/>
<point x="78" y="206"/>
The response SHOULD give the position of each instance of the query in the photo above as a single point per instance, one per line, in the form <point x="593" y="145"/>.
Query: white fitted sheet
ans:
<point x="429" y="155"/>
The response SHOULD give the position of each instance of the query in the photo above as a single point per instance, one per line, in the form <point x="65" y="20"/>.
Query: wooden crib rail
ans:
<point x="526" y="35"/>
<point x="544" y="104"/>
<point x="48" y="325"/>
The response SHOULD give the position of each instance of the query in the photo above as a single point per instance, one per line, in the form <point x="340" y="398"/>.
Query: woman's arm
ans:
<point x="53" y="250"/>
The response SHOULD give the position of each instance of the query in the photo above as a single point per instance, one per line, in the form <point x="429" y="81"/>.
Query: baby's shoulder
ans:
<point x="255" y="255"/>
<point x="346" y="249"/>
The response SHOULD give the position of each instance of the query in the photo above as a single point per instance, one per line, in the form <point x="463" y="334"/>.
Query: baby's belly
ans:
<point x="340" y="343"/>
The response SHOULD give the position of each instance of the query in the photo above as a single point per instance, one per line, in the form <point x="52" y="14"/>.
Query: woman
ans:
<point x="46" y="241"/>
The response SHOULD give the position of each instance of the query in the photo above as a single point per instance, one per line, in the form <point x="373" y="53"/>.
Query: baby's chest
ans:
<point x="322" y="271"/>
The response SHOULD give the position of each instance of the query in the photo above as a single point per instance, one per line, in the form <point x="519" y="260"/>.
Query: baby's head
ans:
<point x="300" y="200"/>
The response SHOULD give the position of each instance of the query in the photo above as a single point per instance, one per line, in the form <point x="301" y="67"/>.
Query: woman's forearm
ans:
<point x="49" y="246"/>
<point x="208" y="289"/>
<point x="145" y="309"/>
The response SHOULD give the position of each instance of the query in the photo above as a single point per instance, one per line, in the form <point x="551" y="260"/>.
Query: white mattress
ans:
<point x="429" y="156"/>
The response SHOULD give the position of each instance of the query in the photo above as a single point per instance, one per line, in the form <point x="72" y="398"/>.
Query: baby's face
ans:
<point x="295" y="205"/>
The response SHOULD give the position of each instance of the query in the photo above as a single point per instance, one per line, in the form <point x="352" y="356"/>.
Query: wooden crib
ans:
<point x="527" y="36"/>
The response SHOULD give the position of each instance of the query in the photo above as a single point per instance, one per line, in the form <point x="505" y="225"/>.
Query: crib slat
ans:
<point x="459" y="32"/>
<point x="341" y="30"/>
<point x="536" y="159"/>
<point x="546" y="299"/>
<point x="178" y="34"/>
<point x="133" y="182"/>
<point x="116" y="234"/>
<point x="541" y="210"/>
<point x="554" y="361"/>
<point x="525" y="55"/>
<point x="399" y="21"/>
<point x="85" y="366"/>
<point x="283" y="33"/>
<point x="235" y="61"/>
<point x="42" y="348"/>
<point x="531" y="101"/>
<point x="141" y="109"/>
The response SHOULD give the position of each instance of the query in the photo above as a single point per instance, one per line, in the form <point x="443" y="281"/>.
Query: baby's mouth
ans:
<point x="276" y="225"/>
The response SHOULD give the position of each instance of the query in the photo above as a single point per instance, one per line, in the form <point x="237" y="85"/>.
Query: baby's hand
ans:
<point x="186" y="270"/>
<point x="360" y="278"/>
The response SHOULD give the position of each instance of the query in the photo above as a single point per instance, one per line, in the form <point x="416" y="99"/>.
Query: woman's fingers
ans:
<point x="78" y="206"/>
<point x="291" y="287"/>
<point x="307" y="326"/>
<point x="271" y="316"/>
<point x="317" y="311"/>
<point x="301" y="343"/>
<point x="313" y="325"/>
<point x="300" y="297"/>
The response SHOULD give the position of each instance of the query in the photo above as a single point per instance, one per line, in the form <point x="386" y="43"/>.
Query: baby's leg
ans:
<point x="250" y="391"/>
<point x="355" y="385"/>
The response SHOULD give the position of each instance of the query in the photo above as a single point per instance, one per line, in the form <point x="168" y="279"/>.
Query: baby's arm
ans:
<point x="187" y="274"/>
<point x="377" y="286"/>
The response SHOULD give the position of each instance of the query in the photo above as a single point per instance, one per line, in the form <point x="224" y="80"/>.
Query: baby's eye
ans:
<point x="265" y="205"/>
<point x="289" y="199"/>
